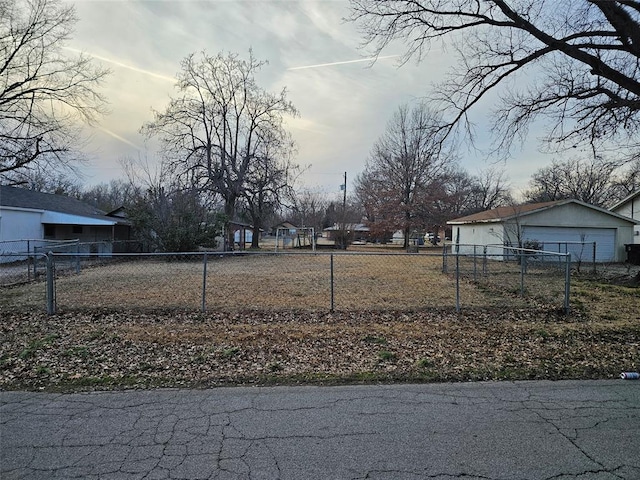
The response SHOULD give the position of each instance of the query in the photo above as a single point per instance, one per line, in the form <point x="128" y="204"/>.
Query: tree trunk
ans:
<point x="407" y="232"/>
<point x="230" y="212"/>
<point x="256" y="235"/>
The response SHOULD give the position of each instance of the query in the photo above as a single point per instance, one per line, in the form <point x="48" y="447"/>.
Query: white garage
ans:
<point x="561" y="226"/>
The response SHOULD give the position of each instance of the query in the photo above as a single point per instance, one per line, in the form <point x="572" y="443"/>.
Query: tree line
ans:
<point x="226" y="154"/>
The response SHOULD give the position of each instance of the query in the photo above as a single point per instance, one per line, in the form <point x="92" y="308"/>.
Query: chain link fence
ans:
<point x="469" y="277"/>
<point x="23" y="261"/>
<point x="518" y="274"/>
<point x="583" y="254"/>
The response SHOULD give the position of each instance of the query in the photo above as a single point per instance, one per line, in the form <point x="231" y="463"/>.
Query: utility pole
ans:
<point x="343" y="236"/>
<point x="344" y="196"/>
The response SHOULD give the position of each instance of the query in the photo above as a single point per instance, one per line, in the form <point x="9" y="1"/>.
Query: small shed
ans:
<point x="569" y="222"/>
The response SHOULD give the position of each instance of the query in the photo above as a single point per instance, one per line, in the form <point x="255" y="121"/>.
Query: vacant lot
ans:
<point x="294" y="281"/>
<point x="274" y="335"/>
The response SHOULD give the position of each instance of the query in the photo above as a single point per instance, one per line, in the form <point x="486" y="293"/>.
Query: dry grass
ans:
<point x="295" y="281"/>
<point x="271" y="324"/>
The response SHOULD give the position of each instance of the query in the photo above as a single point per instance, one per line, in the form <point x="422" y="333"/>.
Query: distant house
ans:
<point x="630" y="207"/>
<point x="549" y="224"/>
<point x="30" y="215"/>
<point x="357" y="232"/>
<point x="283" y="226"/>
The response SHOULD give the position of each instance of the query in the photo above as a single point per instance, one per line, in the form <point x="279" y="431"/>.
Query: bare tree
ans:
<point x="491" y="190"/>
<point x="402" y="173"/>
<point x="44" y="92"/>
<point x="574" y="61"/>
<point x="308" y="209"/>
<point x="114" y="194"/>
<point x="168" y="215"/>
<point x="269" y="182"/>
<point x="589" y="181"/>
<point x="43" y="180"/>
<point x="211" y="132"/>
<point x="626" y="182"/>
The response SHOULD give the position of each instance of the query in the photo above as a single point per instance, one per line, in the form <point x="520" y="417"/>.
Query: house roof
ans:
<point x="502" y="214"/>
<point x="626" y="200"/>
<point x="354" y="227"/>
<point x="285" y="224"/>
<point x="30" y="199"/>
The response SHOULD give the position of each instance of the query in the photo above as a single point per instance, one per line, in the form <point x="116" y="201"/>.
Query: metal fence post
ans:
<point x="594" y="257"/>
<point x="444" y="258"/>
<point x="204" y="283"/>
<point x="567" y="283"/>
<point x="29" y="262"/>
<point x="35" y="261"/>
<point x="475" y="268"/>
<point x="484" y="261"/>
<point x="51" y="292"/>
<point x="77" y="258"/>
<point x="332" y="298"/>
<point x="523" y="261"/>
<point x="457" y="282"/>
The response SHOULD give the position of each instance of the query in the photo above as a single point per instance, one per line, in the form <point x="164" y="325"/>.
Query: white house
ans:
<point x="555" y="226"/>
<point x="29" y="215"/>
<point x="630" y="207"/>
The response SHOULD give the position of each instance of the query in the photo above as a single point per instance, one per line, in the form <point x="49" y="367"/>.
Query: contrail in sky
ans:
<point x="343" y="63"/>
<point x="124" y="65"/>
<point x="118" y="137"/>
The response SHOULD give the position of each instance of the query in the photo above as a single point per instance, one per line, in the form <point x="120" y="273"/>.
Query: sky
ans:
<point x="345" y="100"/>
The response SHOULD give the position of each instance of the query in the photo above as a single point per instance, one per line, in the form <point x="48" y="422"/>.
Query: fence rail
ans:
<point x="478" y="277"/>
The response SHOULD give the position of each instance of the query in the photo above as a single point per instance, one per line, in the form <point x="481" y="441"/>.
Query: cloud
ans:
<point x="345" y="62"/>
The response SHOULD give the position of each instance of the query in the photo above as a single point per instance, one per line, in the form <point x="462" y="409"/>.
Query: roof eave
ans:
<point x="628" y="198"/>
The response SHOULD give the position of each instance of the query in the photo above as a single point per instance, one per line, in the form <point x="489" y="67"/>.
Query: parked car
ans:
<point x="432" y="238"/>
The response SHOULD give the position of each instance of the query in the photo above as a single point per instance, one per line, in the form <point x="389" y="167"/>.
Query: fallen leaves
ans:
<point x="104" y="350"/>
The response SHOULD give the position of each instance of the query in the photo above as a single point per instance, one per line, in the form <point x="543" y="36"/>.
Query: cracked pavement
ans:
<point x="509" y="430"/>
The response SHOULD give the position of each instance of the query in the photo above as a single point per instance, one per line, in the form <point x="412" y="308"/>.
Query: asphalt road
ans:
<point x="523" y="430"/>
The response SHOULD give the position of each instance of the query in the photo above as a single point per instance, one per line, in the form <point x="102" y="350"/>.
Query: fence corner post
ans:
<point x="51" y="291"/>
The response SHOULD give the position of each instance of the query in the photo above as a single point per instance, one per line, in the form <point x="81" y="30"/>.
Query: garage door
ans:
<point x="552" y="237"/>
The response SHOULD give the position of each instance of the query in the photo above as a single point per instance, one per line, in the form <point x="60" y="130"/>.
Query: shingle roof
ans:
<point x="23" y="198"/>
<point x="506" y="213"/>
<point x="503" y="213"/>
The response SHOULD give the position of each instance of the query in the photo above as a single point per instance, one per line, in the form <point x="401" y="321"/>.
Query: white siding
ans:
<point x="477" y="234"/>
<point x="631" y="209"/>
<point x="18" y="224"/>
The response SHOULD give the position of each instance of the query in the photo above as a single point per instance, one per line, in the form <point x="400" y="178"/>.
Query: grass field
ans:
<point x="292" y="281"/>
